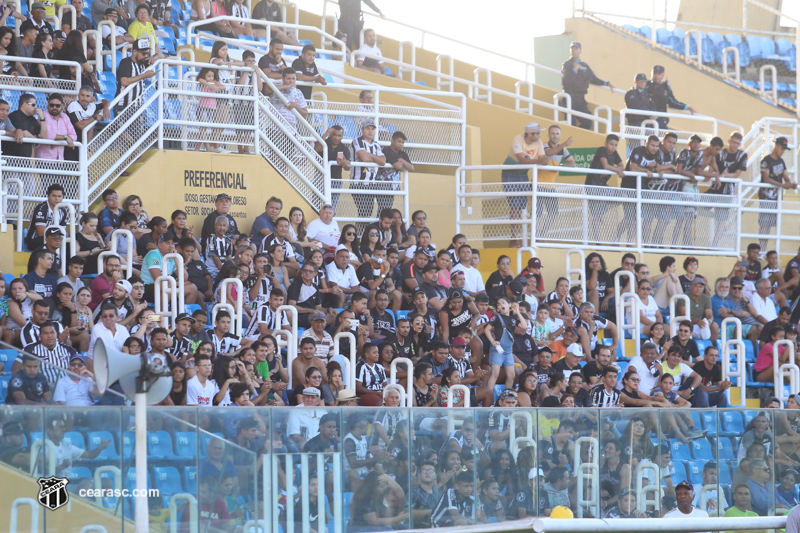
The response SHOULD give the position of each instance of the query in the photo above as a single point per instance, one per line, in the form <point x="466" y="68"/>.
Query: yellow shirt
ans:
<point x="51" y="6"/>
<point x="533" y="151"/>
<point x="136" y="29"/>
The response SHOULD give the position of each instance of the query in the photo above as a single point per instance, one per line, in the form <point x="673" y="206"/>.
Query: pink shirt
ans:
<point x="55" y="126"/>
<point x="444" y="278"/>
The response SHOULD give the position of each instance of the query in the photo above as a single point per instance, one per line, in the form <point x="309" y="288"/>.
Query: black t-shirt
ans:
<point x="794" y="263"/>
<point x="33" y="388"/>
<point x="434" y="291"/>
<point x="307" y="70"/>
<point x="709" y="377"/>
<point x="44" y="28"/>
<point x="409" y="270"/>
<point x="34" y="71"/>
<point x="366" y="273"/>
<point x="21" y="121"/>
<point x="657" y="183"/>
<point x="496" y="284"/>
<point x="544" y="375"/>
<point x="729" y="162"/>
<point x="690" y="161"/>
<point x="382" y="323"/>
<point x="500" y="322"/>
<point x="272" y="13"/>
<point x="775" y="169"/>
<point x="604" y="282"/>
<point x="591" y="370"/>
<point x="753" y="272"/>
<point x="612" y="159"/>
<point x="294" y="294"/>
<point x="393" y="157"/>
<point x="561" y="366"/>
<point x="197" y="274"/>
<point x="336" y="170"/>
<point x="688" y="352"/>
<point x="640" y="156"/>
<point x="525" y="348"/>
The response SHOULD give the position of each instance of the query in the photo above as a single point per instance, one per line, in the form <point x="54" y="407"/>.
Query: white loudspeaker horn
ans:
<point x="158" y="390"/>
<point x="111" y="365"/>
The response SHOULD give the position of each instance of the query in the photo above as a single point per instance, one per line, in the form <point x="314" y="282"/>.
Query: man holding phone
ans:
<point x="338" y="153"/>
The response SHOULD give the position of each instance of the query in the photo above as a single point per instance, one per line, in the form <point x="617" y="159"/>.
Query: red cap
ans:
<point x="534" y="262"/>
<point x="458" y="341"/>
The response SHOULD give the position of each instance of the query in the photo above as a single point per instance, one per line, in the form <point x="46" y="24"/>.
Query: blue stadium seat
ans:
<point x="402" y="314"/>
<point x="128" y="444"/>
<point x="632" y="29"/>
<point x="159" y="446"/>
<point x="80" y="472"/>
<point x="498" y="390"/>
<point x="731" y="424"/>
<point x="696" y="471"/>
<point x="663" y="35"/>
<point x="754" y="44"/>
<point x="191" y="308"/>
<point x="749" y="352"/>
<point x="646" y="31"/>
<point x="725" y="447"/>
<point x="76" y="439"/>
<point x="4" y="387"/>
<point x="679" y="450"/>
<point x="748" y="416"/>
<point x="185" y="445"/>
<point x="167" y="481"/>
<point x="623" y="365"/>
<point x="701" y="449"/>
<point x="680" y="472"/>
<point x="108" y="454"/>
<point x="7" y="357"/>
<point x="709" y="421"/>
<point x="190" y="478"/>
<point x="702" y="345"/>
<point x="725" y="471"/>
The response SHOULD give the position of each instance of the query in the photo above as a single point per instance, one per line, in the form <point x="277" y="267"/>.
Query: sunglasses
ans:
<point x="55" y="105"/>
<point x="350" y="234"/>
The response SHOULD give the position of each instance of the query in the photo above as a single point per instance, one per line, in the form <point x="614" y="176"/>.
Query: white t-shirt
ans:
<point x="684" y="371"/>
<point x="647" y="381"/>
<point x="372" y="50"/>
<point x="474" y="280"/>
<point x="696" y="513"/>
<point x="304" y="422"/>
<point x="327" y="234"/>
<point x="765" y="308"/>
<point x="73" y="394"/>
<point x="198" y="394"/>
<point x="119" y="32"/>
<point x="649" y="309"/>
<point x="346" y="279"/>
<point x="553" y="325"/>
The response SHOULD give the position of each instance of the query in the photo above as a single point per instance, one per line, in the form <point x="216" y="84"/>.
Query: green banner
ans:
<point x="583" y="158"/>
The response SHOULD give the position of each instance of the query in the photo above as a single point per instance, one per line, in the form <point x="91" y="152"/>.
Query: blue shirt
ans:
<point x="760" y="496"/>
<point x="43" y="286"/>
<point x="262" y="221"/>
<point x="717" y="303"/>
<point x="107" y="218"/>
<point x="153" y="259"/>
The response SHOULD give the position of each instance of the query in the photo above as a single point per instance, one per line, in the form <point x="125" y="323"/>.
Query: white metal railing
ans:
<point x="475" y="88"/>
<point x="588" y="490"/>
<point x="68" y="241"/>
<point x="349" y="359"/>
<point x="351" y="208"/>
<point x="674" y="318"/>
<point x="785" y="371"/>
<point x="405" y="394"/>
<point x="237" y="325"/>
<point x="300" y="462"/>
<point x="126" y="262"/>
<point x="31" y="84"/>
<point x="169" y="291"/>
<point x="629" y="320"/>
<point x="576" y="270"/>
<point x="609" y="217"/>
<point x="712" y="123"/>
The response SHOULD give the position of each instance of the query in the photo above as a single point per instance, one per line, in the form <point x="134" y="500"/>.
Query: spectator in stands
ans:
<point x="684" y="495"/>
<point x="474" y="280"/>
<point x="366" y="104"/>
<point x="100" y="9"/>
<point x="365" y="149"/>
<point x="700" y="312"/>
<point x="59" y="128"/>
<point x="605" y="393"/>
<point x="761" y="487"/>
<point x="642" y="159"/>
<point x="41" y="279"/>
<point x="108" y="328"/>
<point x="29" y="122"/>
<point x="222" y="205"/>
<point x="762" y="302"/>
<point x="686" y="380"/>
<point x="77" y="387"/>
<point x="28" y="386"/>
<point x="398" y="159"/>
<point x="272" y="64"/>
<point x="264" y="223"/>
<point x="667" y="284"/>
<point x="638" y="98"/>
<point x="648" y="367"/>
<point x="82" y="22"/>
<point x="605" y="158"/>
<point x="773" y="177"/>
<point x="132" y="71"/>
<point x="373" y="63"/>
<point x="36" y="20"/>
<point x="271" y="11"/>
<point x="307" y="70"/>
<point x="337" y="152"/>
<point x="526" y="149"/>
<point x="43" y="216"/>
<point x="782" y="320"/>
<point x="293" y="97"/>
<point x="660" y="91"/>
<point x="85" y="112"/>
<point x="304" y="295"/>
<point x="742" y="309"/>
<point x="342" y="273"/>
<point x="27" y="40"/>
<point x="731" y="162"/>
<point x="576" y="75"/>
<point x="121" y="37"/>
<point x="42" y="49"/>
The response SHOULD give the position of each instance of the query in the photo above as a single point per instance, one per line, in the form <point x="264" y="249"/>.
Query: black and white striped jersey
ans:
<point x="372" y="377"/>
<point x="372" y="148"/>
<point x="30" y="332"/>
<point x="264" y="314"/>
<point x="54" y="361"/>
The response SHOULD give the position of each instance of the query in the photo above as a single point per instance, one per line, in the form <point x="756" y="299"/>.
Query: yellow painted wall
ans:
<point x="602" y="49"/>
<point x="63" y="520"/>
<point x="729" y="13"/>
<point x="164" y="182"/>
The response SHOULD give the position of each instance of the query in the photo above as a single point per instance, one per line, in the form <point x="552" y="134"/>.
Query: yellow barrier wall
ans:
<point x="729" y="13"/>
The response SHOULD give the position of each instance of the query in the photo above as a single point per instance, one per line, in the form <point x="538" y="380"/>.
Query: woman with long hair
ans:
<point x="134" y="204"/>
<point x="368" y="509"/>
<point x="178" y="229"/>
<point x="527" y="384"/>
<point x="449" y="465"/>
<point x="598" y="281"/>
<point x="419" y="219"/>
<point x="42" y="49"/>
<point x="297" y="230"/>
<point x="8" y="47"/>
<point x="369" y="238"/>
<point x="149" y="241"/>
<point x="636" y="444"/>
<point x="386" y="355"/>
<point x="177" y="396"/>
<point x="89" y="243"/>
<point x="450" y="377"/>
<point x="224" y="374"/>
<point x="133" y="346"/>
<point x="500" y="278"/>
<point x="457" y="314"/>
<point x="419" y="335"/>
<point x="503" y="468"/>
<point x="424" y="243"/>
<point x="276" y="255"/>
<point x="330" y="390"/>
<point x="20" y="305"/>
<point x="349" y="239"/>
<point x="401" y="236"/>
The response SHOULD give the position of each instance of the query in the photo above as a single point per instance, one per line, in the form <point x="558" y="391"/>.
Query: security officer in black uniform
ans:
<point x="660" y="91"/>
<point x="576" y="76"/>
<point x="637" y="98"/>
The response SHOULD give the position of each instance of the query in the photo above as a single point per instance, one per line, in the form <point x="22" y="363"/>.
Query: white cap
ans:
<point x="125" y="284"/>
<point x="533" y="127"/>
<point x="341" y="247"/>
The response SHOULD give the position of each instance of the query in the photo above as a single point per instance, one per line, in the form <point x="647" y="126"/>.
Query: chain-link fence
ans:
<point x="360" y="201"/>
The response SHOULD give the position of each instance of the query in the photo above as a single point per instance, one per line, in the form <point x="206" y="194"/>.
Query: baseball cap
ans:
<point x="663" y="449"/>
<point x="37" y="5"/>
<point x="345" y="395"/>
<point x="782" y="141"/>
<point x="698" y="281"/>
<point x="59" y="35"/>
<point x="508" y="393"/>
<point x="53" y="231"/>
<point x="684" y="485"/>
<point x="534" y="262"/>
<point x="109" y="11"/>
<point x="695" y="138"/>
<point x="516" y="287"/>
<point x="342" y="247"/>
<point x="570" y="329"/>
<point x="416" y="291"/>
<point x="533" y="127"/>
<point x="458" y="341"/>
<point x="658" y="69"/>
<point x="736" y="280"/>
<point x="575" y="44"/>
<point x="143" y="44"/>
<point x="533" y="473"/>
<point x="454" y="293"/>
<point x="222" y="196"/>
<point x="185" y="316"/>
<point x="247" y="423"/>
<point x="125" y="284"/>
<point x="318" y="315"/>
<point x="640" y="77"/>
<point x="311" y="391"/>
<point x="429" y="267"/>
<point x="79" y="357"/>
<point x="623" y="492"/>
<point x="482" y="297"/>
<point x="367" y="123"/>
<point x="164" y="238"/>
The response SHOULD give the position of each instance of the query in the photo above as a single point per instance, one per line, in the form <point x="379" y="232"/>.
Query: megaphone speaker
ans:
<point x="111" y="365"/>
<point x="158" y="390"/>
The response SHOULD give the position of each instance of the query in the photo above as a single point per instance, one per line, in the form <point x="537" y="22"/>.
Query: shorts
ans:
<point x="516" y="182"/>
<point x="506" y="357"/>
<point x="731" y="330"/>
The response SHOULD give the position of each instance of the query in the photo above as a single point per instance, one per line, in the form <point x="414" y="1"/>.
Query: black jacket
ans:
<point x="578" y="82"/>
<point x="662" y="96"/>
<point x="638" y="99"/>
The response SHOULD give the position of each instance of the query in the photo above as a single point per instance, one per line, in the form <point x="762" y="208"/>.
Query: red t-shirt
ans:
<point x="99" y="287"/>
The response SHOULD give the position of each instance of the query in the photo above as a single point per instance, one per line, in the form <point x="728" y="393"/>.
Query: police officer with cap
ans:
<point x="576" y="77"/>
<point x="660" y="91"/>
<point x="638" y="98"/>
